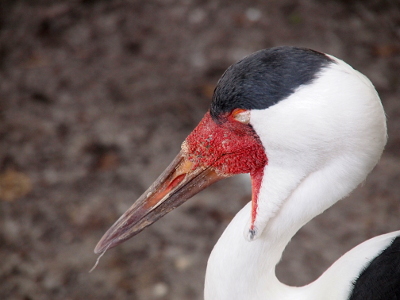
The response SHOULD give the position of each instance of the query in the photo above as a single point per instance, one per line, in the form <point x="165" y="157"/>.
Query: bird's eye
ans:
<point x="241" y="115"/>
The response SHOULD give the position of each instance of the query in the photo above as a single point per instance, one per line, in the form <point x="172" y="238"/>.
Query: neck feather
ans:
<point x="243" y="269"/>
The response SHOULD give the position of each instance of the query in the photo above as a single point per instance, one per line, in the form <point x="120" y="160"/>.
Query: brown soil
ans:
<point x="95" y="99"/>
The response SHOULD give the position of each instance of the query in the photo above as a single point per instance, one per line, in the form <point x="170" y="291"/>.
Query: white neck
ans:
<point x="242" y="269"/>
<point x="239" y="269"/>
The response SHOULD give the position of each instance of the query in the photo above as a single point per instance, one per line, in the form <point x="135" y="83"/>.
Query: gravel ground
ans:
<point x="95" y="100"/>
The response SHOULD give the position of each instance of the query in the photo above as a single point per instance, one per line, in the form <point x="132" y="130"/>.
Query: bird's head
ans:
<point x="252" y="124"/>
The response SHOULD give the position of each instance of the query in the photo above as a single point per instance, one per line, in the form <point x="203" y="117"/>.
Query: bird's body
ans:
<point x="308" y="128"/>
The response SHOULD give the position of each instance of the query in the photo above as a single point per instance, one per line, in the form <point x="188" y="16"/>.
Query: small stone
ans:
<point x="253" y="14"/>
<point x="182" y="263"/>
<point x="14" y="185"/>
<point x="160" y="290"/>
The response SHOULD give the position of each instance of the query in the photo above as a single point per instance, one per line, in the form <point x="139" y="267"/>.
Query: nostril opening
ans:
<point x="176" y="181"/>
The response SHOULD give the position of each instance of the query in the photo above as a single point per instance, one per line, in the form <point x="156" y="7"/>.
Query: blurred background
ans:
<point x="95" y="100"/>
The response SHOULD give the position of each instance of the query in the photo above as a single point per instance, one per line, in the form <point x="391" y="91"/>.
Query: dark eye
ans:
<point x="241" y="115"/>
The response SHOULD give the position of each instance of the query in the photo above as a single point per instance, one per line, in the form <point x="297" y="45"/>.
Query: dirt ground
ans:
<point x="95" y="100"/>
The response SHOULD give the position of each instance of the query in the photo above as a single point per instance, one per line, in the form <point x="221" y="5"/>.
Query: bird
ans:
<point x="308" y="128"/>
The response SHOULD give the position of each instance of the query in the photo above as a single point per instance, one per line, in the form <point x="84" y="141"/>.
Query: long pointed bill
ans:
<point x="176" y="184"/>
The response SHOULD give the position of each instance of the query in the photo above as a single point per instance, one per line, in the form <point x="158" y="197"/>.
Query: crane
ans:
<point x="308" y="128"/>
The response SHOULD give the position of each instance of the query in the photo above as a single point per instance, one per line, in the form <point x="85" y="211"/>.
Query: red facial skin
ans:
<point x="213" y="151"/>
<point x="229" y="148"/>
